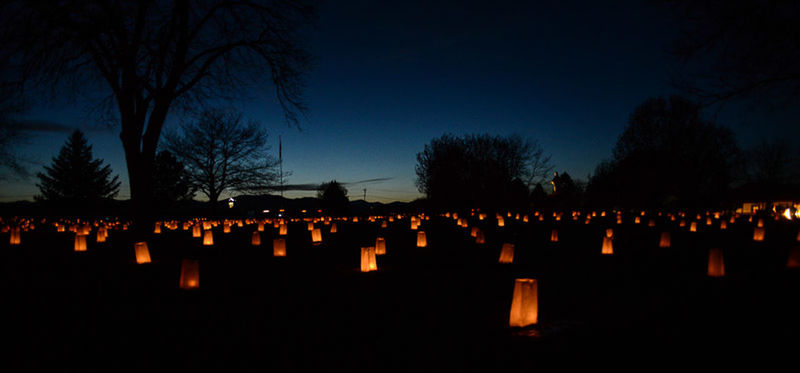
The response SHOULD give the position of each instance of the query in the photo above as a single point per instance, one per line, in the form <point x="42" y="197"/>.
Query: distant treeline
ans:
<point x="669" y="156"/>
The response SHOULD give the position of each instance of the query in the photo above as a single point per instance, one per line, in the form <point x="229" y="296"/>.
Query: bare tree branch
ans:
<point x="153" y="57"/>
<point x="735" y="49"/>
<point x="222" y="152"/>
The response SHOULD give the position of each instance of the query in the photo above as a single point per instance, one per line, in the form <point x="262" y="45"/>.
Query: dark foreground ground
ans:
<point x="440" y="308"/>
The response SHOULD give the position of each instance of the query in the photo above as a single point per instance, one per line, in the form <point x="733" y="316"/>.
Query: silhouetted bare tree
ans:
<point x="538" y="165"/>
<point x="11" y="134"/>
<point x="222" y="152"/>
<point x="669" y="156"/>
<point x="152" y="57"/>
<point x="773" y="162"/>
<point x="478" y="170"/>
<point x="10" y="137"/>
<point x="738" y="48"/>
<point x="772" y="172"/>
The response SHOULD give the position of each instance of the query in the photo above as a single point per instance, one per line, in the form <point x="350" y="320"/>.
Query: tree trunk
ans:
<point x="212" y="202"/>
<point x="140" y="153"/>
<point x="140" y="170"/>
<point x="139" y="175"/>
<point x="213" y="197"/>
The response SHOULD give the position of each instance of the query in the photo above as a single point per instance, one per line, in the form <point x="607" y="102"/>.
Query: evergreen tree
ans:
<point x="333" y="197"/>
<point x="171" y="181"/>
<point x="75" y="176"/>
<point x="538" y="196"/>
<point x="566" y="192"/>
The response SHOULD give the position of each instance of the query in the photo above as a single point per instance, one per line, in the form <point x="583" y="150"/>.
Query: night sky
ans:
<point x="390" y="77"/>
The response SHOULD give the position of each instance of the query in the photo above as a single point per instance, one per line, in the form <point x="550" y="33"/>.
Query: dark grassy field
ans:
<point x="440" y="308"/>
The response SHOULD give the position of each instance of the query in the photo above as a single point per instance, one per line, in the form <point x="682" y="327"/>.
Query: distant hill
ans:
<point x="245" y="205"/>
<point x="257" y="204"/>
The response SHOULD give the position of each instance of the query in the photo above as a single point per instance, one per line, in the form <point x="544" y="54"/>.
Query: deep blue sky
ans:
<point x="390" y="76"/>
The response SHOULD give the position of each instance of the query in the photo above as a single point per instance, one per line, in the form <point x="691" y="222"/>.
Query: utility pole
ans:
<point x="365" y="194"/>
<point x="280" y="162"/>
